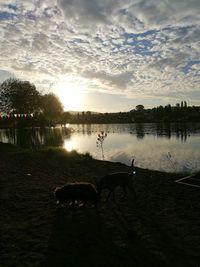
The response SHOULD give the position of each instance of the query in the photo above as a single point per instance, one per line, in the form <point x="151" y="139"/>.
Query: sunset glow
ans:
<point x="70" y="95"/>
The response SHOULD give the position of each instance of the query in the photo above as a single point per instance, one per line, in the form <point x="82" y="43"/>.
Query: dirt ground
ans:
<point x="159" y="228"/>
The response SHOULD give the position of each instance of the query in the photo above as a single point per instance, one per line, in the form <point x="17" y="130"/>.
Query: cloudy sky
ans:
<point x="106" y="55"/>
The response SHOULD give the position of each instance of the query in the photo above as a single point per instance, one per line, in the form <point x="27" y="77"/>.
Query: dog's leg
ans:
<point x="113" y="195"/>
<point x="84" y="203"/>
<point x="108" y="196"/>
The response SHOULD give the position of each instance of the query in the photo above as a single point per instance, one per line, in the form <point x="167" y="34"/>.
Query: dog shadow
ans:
<point x="80" y="238"/>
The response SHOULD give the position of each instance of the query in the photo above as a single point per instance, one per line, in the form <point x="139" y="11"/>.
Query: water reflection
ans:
<point x="164" y="130"/>
<point x="25" y="138"/>
<point x="148" y="143"/>
<point x="35" y="138"/>
<point x="140" y="133"/>
<point x="68" y="145"/>
<point x="181" y="130"/>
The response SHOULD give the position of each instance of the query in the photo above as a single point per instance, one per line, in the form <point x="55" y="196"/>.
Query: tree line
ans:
<point x="168" y="113"/>
<point x="22" y="97"/>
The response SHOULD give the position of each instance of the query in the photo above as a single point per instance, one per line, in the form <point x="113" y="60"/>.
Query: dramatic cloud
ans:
<point x="136" y="48"/>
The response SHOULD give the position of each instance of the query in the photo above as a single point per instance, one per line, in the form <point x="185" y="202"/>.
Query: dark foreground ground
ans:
<point x="160" y="228"/>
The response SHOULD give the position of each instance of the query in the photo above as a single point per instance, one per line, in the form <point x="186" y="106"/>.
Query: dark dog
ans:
<point x="83" y="192"/>
<point x="118" y="179"/>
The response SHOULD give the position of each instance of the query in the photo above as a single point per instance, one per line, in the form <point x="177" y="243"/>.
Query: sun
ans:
<point x="70" y="95"/>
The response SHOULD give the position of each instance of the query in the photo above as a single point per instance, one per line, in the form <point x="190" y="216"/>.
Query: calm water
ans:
<point x="169" y="147"/>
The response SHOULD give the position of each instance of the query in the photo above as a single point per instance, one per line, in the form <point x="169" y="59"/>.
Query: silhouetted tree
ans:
<point x="139" y="107"/>
<point x="51" y="106"/>
<point x="181" y="104"/>
<point x="50" y="111"/>
<point x="158" y="113"/>
<point x="66" y="117"/>
<point x="167" y="113"/>
<point x="19" y="96"/>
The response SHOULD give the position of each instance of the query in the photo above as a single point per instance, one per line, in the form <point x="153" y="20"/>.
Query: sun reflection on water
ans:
<point x="69" y="146"/>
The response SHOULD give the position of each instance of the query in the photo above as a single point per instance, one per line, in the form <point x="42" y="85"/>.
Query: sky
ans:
<point x="107" y="55"/>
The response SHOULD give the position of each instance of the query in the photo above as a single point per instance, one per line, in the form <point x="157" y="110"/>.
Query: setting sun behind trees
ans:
<point x="70" y="94"/>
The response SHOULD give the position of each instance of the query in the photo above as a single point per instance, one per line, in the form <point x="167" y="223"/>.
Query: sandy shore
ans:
<point x="160" y="228"/>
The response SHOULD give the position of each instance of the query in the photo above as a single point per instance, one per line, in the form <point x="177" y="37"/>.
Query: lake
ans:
<point x="165" y="147"/>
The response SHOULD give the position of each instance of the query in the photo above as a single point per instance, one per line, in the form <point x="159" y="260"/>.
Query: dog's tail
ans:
<point x="132" y="167"/>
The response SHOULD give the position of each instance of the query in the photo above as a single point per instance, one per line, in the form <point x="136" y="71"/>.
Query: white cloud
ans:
<point x="125" y="47"/>
<point x="158" y="14"/>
